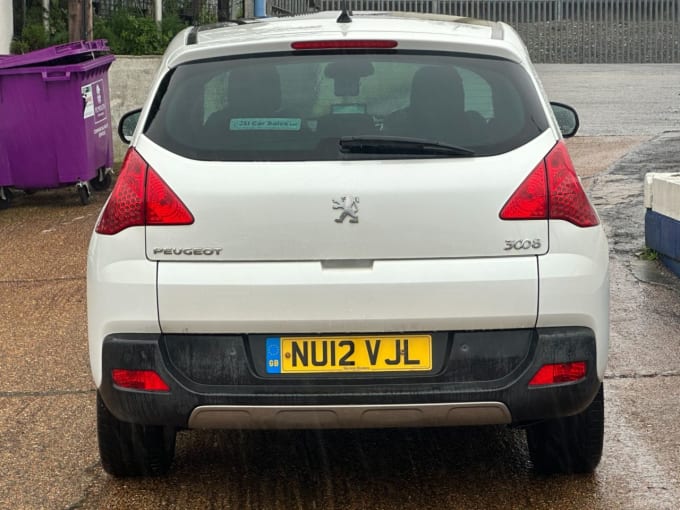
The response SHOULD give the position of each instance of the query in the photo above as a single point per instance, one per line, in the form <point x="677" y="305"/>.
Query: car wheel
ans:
<point x="128" y="449"/>
<point x="572" y="444"/>
<point x="103" y="180"/>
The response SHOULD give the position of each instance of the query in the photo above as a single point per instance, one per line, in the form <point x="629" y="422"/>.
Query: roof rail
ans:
<point x="497" y="31"/>
<point x="193" y="35"/>
<point x="280" y="11"/>
<point x="192" y="38"/>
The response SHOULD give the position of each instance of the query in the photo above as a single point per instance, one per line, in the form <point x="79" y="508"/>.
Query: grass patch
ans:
<point x="648" y="254"/>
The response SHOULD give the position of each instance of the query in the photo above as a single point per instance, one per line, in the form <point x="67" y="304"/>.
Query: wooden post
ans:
<point x="75" y="20"/>
<point x="80" y="20"/>
<point x="223" y="13"/>
<point x="249" y="9"/>
<point x="196" y="6"/>
<point x="158" y="11"/>
<point x="88" y="27"/>
<point x="46" y="14"/>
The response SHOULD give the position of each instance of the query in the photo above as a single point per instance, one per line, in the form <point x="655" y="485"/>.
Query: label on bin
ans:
<point x="93" y="101"/>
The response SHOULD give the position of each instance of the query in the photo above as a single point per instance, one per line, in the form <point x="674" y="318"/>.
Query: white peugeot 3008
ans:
<point x="344" y="222"/>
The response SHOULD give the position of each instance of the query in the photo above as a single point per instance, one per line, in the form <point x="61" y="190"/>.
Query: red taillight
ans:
<point x="146" y="380"/>
<point x="344" y="44"/>
<point x="530" y="200"/>
<point x="557" y="373"/>
<point x="140" y="197"/>
<point x="163" y="207"/>
<point x="568" y="200"/>
<point x="552" y="191"/>
<point x="125" y="207"/>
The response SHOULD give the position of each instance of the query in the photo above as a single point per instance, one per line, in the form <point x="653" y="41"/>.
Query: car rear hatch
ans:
<point x="269" y="250"/>
<point x="360" y="210"/>
<point x="321" y="190"/>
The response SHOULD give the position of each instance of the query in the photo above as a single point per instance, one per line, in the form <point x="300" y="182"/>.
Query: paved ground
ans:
<point x="48" y="454"/>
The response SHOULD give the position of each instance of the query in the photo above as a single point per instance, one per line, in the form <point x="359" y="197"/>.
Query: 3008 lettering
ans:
<point x="522" y="244"/>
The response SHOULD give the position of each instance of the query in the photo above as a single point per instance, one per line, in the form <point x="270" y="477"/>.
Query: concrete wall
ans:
<point x="129" y="82"/>
<point x="662" y="218"/>
<point x="5" y="26"/>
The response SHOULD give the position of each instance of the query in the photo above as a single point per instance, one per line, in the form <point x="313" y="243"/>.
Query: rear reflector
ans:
<point x="140" y="197"/>
<point x="146" y="380"/>
<point x="558" y="373"/>
<point x="344" y="44"/>
<point x="552" y="191"/>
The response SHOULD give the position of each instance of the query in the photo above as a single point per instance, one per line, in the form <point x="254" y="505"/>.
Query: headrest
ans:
<point x="254" y="90"/>
<point x="437" y="87"/>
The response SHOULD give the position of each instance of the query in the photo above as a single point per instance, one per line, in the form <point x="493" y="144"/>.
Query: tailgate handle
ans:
<point x="346" y="264"/>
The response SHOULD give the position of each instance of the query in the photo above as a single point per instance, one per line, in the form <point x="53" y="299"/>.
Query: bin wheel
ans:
<point x="103" y="180"/>
<point x="84" y="194"/>
<point x="5" y="198"/>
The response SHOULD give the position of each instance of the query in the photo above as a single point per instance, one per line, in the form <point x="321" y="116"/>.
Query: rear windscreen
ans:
<point x="297" y="107"/>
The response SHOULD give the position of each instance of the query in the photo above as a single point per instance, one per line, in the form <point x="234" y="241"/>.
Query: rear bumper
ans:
<point x="478" y="378"/>
<point x="349" y="416"/>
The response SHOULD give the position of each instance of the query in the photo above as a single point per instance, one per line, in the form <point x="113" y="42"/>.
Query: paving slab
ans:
<point x="48" y="453"/>
<point x="44" y="337"/>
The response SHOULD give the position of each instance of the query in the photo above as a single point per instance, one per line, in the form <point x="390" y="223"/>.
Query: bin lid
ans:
<point x="52" y="53"/>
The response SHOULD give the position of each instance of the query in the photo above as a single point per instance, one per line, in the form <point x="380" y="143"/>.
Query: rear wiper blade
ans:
<point x="400" y="145"/>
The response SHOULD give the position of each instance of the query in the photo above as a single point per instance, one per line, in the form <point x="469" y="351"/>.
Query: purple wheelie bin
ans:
<point x="55" y="120"/>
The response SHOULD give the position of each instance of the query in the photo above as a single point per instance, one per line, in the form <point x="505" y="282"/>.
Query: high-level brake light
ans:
<point x="552" y="191"/>
<point x="344" y="44"/>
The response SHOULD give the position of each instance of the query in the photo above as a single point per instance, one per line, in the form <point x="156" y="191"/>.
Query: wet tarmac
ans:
<point x="48" y="452"/>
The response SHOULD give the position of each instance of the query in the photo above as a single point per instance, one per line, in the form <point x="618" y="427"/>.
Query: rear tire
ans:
<point x="128" y="449"/>
<point x="572" y="444"/>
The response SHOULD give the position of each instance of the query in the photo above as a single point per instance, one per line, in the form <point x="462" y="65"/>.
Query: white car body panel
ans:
<point x="408" y="209"/>
<point x="270" y="35"/>
<point x="121" y="290"/>
<point x="574" y="283"/>
<point x="305" y="297"/>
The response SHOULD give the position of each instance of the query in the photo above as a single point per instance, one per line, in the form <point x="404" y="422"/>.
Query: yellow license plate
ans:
<point x="288" y="355"/>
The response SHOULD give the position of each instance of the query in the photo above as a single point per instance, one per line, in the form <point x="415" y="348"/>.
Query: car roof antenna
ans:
<point x="345" y="15"/>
